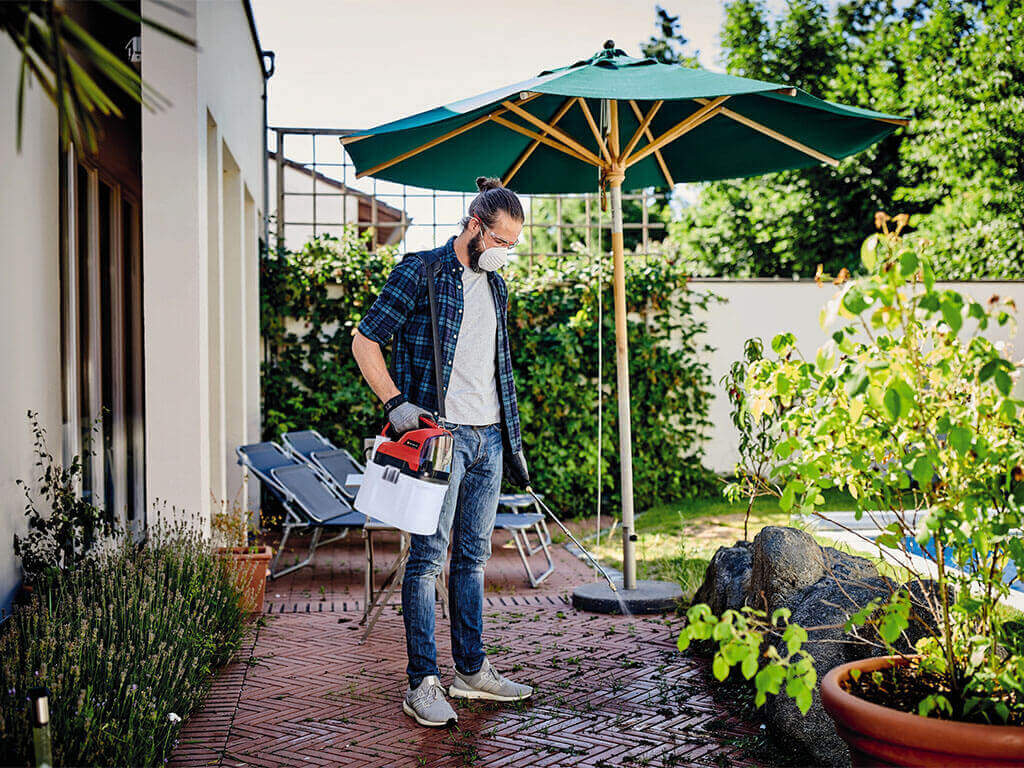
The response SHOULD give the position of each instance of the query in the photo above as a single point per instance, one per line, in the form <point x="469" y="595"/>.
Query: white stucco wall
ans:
<point x="29" y="299"/>
<point x="765" y="308"/>
<point x="187" y="429"/>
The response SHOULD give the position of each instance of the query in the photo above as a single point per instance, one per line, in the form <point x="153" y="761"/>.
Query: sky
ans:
<point x="360" y="63"/>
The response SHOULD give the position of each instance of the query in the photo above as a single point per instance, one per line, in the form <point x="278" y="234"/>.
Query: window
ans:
<point x="101" y="339"/>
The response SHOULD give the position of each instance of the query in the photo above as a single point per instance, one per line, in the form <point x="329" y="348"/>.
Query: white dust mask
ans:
<point x="493" y="258"/>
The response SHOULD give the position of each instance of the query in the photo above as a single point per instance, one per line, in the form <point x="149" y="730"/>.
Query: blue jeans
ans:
<point x="468" y="514"/>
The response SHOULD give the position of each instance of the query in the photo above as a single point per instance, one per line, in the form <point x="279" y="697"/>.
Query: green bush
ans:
<point x="313" y="381"/>
<point x="126" y="644"/>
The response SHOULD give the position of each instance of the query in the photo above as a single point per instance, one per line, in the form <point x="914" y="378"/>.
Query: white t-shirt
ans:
<point x="472" y="396"/>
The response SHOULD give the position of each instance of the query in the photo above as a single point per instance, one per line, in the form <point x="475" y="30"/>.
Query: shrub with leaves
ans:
<point x="740" y="636"/>
<point x="126" y="643"/>
<point x="912" y="410"/>
<point x="63" y="528"/>
<point x="313" y="300"/>
<point x="756" y="438"/>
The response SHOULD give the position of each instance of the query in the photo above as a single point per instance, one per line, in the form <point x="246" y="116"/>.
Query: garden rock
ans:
<point x="846" y="567"/>
<point x="821" y="587"/>
<point x="726" y="583"/>
<point x="783" y="561"/>
<point x="826" y="604"/>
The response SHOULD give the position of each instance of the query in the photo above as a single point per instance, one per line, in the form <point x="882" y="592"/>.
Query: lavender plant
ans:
<point x="126" y="643"/>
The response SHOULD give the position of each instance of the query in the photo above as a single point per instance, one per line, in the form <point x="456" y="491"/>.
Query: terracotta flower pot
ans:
<point x="881" y="736"/>
<point x="252" y="573"/>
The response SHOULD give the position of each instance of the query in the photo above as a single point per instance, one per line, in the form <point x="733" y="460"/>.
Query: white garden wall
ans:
<point x="767" y="307"/>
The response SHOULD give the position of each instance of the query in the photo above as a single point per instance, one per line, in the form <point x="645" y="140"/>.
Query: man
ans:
<point x="482" y="414"/>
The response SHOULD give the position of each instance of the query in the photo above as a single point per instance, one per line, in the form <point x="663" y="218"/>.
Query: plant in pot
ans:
<point x="912" y="411"/>
<point x="235" y="535"/>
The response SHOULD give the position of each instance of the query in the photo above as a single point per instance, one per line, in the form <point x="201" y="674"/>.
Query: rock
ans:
<point x="845" y="567"/>
<point x="825" y="604"/>
<point x="727" y="580"/>
<point x="852" y="583"/>
<point x="822" y="587"/>
<point x="784" y="560"/>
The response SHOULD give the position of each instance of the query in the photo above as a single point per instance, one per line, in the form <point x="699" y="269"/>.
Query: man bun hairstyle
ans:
<point x="493" y="198"/>
<point x="484" y="183"/>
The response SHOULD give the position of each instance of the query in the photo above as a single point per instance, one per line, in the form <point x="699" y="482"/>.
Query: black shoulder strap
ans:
<point x="433" y="268"/>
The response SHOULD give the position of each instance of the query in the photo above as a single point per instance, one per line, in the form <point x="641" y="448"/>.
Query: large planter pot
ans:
<point x="879" y="736"/>
<point x="251" y="567"/>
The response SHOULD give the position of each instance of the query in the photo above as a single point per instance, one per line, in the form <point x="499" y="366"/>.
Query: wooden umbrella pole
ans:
<point x="615" y="177"/>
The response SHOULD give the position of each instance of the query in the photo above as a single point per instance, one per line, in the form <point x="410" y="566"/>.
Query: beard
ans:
<point x="475" y="247"/>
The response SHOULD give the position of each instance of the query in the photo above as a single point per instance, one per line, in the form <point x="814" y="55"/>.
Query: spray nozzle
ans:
<point x="566" y="531"/>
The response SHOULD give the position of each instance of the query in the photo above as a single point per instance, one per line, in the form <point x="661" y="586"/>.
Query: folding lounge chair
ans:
<point x="335" y="463"/>
<point x="518" y="501"/>
<point x="311" y="503"/>
<point x="517" y="524"/>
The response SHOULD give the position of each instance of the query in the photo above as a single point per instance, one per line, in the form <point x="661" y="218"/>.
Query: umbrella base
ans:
<point x="648" y="597"/>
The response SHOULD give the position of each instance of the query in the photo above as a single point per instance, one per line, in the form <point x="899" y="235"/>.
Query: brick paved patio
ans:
<point x="611" y="690"/>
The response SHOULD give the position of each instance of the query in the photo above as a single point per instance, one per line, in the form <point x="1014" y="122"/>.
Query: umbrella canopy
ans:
<point x="726" y="127"/>
<point x="624" y="122"/>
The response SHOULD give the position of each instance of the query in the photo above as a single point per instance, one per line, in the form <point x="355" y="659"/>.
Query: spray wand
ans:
<point x="566" y="531"/>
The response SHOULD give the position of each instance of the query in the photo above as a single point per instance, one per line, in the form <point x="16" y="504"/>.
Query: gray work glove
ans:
<point x="516" y="470"/>
<point x="407" y="416"/>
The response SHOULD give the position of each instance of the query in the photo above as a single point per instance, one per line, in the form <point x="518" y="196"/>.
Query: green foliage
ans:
<point x="311" y="302"/>
<point x="126" y="644"/>
<point x="668" y="45"/>
<point x="313" y="381"/>
<point x="756" y="440"/>
<point x="66" y="528"/>
<point x="956" y="67"/>
<point x="911" y="410"/>
<point x="77" y="73"/>
<point x="740" y="636"/>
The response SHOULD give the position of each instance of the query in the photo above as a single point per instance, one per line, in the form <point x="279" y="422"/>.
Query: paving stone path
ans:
<point x="611" y="690"/>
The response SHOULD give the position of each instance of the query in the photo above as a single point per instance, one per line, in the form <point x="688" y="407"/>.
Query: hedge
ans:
<point x="314" y="298"/>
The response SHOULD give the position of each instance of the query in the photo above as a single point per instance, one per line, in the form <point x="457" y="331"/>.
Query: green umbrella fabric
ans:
<point x="720" y="148"/>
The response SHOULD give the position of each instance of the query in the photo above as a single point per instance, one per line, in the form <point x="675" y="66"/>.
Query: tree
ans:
<point x="955" y="67"/>
<point x="668" y="45"/>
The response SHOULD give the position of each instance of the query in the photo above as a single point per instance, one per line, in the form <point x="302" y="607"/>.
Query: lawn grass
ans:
<point x="677" y="540"/>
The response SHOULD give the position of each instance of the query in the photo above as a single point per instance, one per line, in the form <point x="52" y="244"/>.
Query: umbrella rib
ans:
<point x="543" y="139"/>
<point x="594" y="128"/>
<point x="657" y="152"/>
<point x="560" y="135"/>
<point x="702" y="115"/>
<point x="525" y="155"/>
<point x="642" y="128"/>
<point x="613" y="135"/>
<point x="753" y="124"/>
<point x="434" y="142"/>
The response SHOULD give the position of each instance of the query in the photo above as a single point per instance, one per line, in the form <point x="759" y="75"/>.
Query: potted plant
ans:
<point x="910" y="410"/>
<point x="236" y="535"/>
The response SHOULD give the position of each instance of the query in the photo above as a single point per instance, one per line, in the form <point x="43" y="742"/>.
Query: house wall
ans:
<point x="765" y="308"/>
<point x="202" y="173"/>
<point x="29" y="299"/>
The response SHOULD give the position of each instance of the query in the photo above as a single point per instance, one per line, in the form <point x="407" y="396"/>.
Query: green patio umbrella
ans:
<point x="636" y="121"/>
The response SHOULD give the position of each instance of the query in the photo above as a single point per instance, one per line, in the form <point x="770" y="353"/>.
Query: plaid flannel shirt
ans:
<point x="402" y="312"/>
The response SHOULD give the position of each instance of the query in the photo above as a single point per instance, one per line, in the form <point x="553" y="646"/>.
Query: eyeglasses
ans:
<point x="499" y="240"/>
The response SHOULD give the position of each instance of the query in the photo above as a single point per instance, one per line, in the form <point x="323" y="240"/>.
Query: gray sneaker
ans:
<point x="428" y="705"/>
<point x="489" y="684"/>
